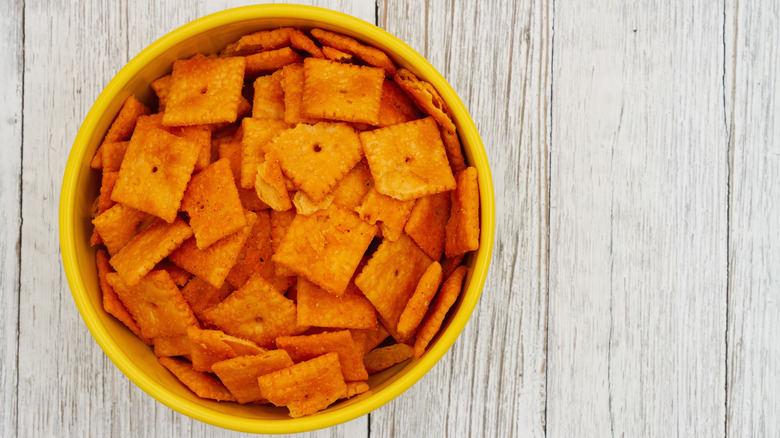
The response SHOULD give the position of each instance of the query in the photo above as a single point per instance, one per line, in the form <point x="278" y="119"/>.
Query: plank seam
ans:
<point x="549" y="190"/>
<point x="21" y="219"/>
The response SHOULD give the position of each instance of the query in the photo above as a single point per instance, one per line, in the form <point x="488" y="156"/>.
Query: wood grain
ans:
<point x="637" y="221"/>
<point x="492" y="380"/>
<point x="752" y="116"/>
<point x="12" y="76"/>
<point x="67" y="386"/>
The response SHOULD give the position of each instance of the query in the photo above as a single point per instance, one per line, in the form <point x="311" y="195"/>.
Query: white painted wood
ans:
<point x="67" y="385"/>
<point x="637" y="301"/>
<point x="752" y="82"/>
<point x="11" y="79"/>
<point x="496" y="56"/>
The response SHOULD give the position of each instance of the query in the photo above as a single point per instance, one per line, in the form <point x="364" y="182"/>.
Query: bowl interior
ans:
<point x="81" y="185"/>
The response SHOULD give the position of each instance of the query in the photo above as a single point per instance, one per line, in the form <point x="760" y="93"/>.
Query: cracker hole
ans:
<point x="203" y="90"/>
<point x="154" y="169"/>
<point x="407" y="159"/>
<point x="317" y="147"/>
<point x="396" y="272"/>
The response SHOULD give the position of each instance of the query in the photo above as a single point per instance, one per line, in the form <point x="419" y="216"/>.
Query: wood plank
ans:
<point x="492" y="382"/>
<point x="752" y="81"/>
<point x="67" y="385"/>
<point x="638" y="221"/>
<point x="12" y="80"/>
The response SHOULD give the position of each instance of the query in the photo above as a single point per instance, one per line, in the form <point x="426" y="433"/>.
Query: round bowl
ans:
<point x="81" y="185"/>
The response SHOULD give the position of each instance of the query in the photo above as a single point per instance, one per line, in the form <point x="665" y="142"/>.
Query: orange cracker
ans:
<point x="346" y="92"/>
<point x="249" y="200"/>
<point x="203" y="385"/>
<point x="356" y="388"/>
<point x="395" y="106"/>
<point x="383" y="358"/>
<point x="336" y="54"/>
<point x="292" y="84"/>
<point x="372" y="337"/>
<point x="452" y="147"/>
<point x="155" y="303"/>
<point x="271" y="60"/>
<point x="257" y="312"/>
<point x="317" y="307"/>
<point x="113" y="153"/>
<point x="371" y="55"/>
<point x="215" y="262"/>
<point x="155" y="172"/>
<point x="427" y="222"/>
<point x="161" y="87"/>
<point x="441" y="305"/>
<point x="200" y="295"/>
<point x="325" y="247"/>
<point x="210" y="347"/>
<point x="417" y="306"/>
<point x="257" y="133"/>
<point x="408" y="160"/>
<point x="462" y="231"/>
<point x="425" y="97"/>
<point x="270" y="185"/>
<point x="204" y="91"/>
<point x="255" y="257"/>
<point x="305" y="387"/>
<point x="268" y="101"/>
<point x="178" y="275"/>
<point x="300" y="41"/>
<point x="350" y="191"/>
<point x="304" y="204"/>
<point x="146" y="249"/>
<point x="391" y="213"/>
<point x="111" y="303"/>
<point x="107" y="183"/>
<point x="118" y="225"/>
<point x="240" y="374"/>
<point x="212" y="202"/>
<point x="259" y="41"/>
<point x="122" y="127"/>
<point x="199" y="134"/>
<point x="172" y="345"/>
<point x="390" y="277"/>
<point x="449" y="265"/>
<point x="316" y="157"/>
<point x="304" y="347"/>
<point x="280" y="222"/>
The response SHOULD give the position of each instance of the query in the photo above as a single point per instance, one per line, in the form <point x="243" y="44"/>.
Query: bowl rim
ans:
<point x="476" y="276"/>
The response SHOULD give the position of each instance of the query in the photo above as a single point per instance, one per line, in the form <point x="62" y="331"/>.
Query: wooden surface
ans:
<point x="634" y="288"/>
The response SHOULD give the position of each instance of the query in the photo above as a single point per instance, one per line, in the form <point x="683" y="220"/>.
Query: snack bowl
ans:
<point x="81" y="185"/>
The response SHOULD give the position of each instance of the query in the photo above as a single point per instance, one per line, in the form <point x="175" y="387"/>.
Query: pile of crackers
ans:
<point x="292" y="219"/>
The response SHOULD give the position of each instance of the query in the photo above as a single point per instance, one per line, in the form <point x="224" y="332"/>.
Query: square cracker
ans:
<point x="427" y="222"/>
<point x="215" y="262"/>
<point x="292" y="84"/>
<point x="462" y="230"/>
<point x="155" y="171"/>
<point x="211" y="346"/>
<point x="121" y="128"/>
<point x="382" y="358"/>
<point x="280" y="222"/>
<point x="178" y="345"/>
<point x="232" y="151"/>
<point x="211" y="200"/>
<point x="113" y="154"/>
<point x="301" y="348"/>
<point x="371" y="55"/>
<point x="271" y="60"/>
<point x="391" y="213"/>
<point x="146" y="249"/>
<point x="300" y="41"/>
<point x="200" y="295"/>
<point x="270" y="184"/>
<point x="346" y="92"/>
<point x="257" y="312"/>
<point x="257" y="133"/>
<point x="204" y="91"/>
<point x="417" y="306"/>
<point x="118" y="225"/>
<point x="450" y="291"/>
<point x="155" y="303"/>
<point x="259" y="41"/>
<point x="111" y="302"/>
<point x="320" y="308"/>
<point x="268" y="101"/>
<point x="204" y="385"/>
<point x="305" y="387"/>
<point x="316" y="157"/>
<point x="325" y="247"/>
<point x="390" y="277"/>
<point x="350" y="191"/>
<point x="396" y="107"/>
<point x="425" y="97"/>
<point x="200" y="134"/>
<point x="240" y="374"/>
<point x="336" y="54"/>
<point x="408" y="160"/>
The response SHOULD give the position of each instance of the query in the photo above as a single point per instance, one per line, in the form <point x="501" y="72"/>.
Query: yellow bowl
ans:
<point x="81" y="185"/>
